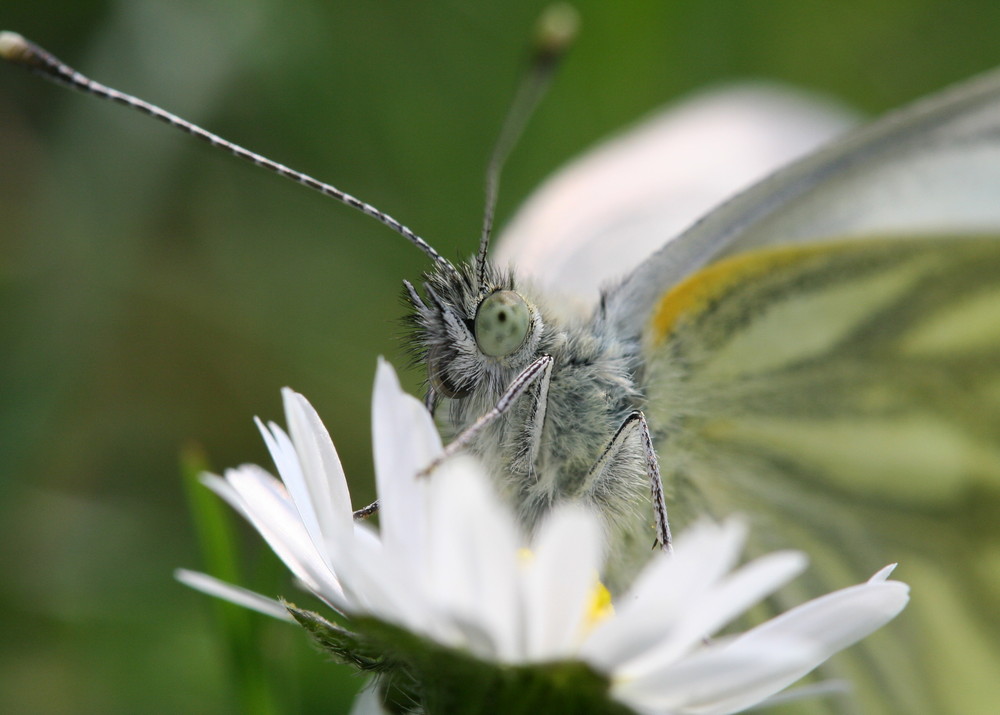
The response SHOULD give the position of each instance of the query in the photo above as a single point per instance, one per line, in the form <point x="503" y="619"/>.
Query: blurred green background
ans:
<point x="157" y="294"/>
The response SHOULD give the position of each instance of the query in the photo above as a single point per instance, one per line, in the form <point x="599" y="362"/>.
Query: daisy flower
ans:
<point x="450" y="597"/>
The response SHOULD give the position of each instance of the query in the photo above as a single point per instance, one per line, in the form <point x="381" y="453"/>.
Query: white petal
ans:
<point x="235" y="594"/>
<point x="838" y="619"/>
<point x="286" y="459"/>
<point x="716" y="608"/>
<point x="374" y="584"/>
<point x="472" y="565"/>
<point x="269" y="509"/>
<point x="665" y="590"/>
<point x="883" y="574"/>
<point x="225" y="490"/>
<point x="825" y="625"/>
<point x="405" y="441"/>
<point x="329" y="496"/>
<point x="705" y="681"/>
<point x="561" y="580"/>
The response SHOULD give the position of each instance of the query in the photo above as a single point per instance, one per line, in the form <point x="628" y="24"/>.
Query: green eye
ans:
<point x="502" y="323"/>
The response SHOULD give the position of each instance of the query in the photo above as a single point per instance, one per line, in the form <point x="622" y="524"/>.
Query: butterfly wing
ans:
<point x="846" y="395"/>
<point x="599" y="217"/>
<point x="823" y="353"/>
<point x="934" y="166"/>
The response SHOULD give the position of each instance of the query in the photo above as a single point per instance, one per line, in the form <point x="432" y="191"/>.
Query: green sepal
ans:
<point x="344" y="645"/>
<point x="396" y="684"/>
<point x="413" y="670"/>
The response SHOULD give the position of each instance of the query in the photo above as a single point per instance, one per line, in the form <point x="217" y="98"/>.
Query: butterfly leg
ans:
<point x="540" y="369"/>
<point x="430" y="400"/>
<point x="538" y="418"/>
<point x="636" y="422"/>
<point x="367" y="511"/>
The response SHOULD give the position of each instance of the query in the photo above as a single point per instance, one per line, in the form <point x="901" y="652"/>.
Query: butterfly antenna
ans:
<point x="20" y="51"/>
<point x="556" y="30"/>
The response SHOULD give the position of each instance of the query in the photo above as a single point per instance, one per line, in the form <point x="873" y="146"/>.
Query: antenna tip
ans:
<point x="12" y="46"/>
<point x="557" y="29"/>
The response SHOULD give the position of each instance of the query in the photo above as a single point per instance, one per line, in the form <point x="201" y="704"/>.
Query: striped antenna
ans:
<point x="20" y="51"/>
<point x="555" y="32"/>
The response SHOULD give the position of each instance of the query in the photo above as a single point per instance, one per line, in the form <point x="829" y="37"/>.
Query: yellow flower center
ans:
<point x="599" y="606"/>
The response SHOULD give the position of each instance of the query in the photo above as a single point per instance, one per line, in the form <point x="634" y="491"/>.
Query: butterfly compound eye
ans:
<point x="502" y="323"/>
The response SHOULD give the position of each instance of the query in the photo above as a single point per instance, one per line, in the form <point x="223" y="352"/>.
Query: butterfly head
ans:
<point x="474" y="328"/>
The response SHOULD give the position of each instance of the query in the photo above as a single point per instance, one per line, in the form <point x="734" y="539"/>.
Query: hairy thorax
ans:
<point x="591" y="391"/>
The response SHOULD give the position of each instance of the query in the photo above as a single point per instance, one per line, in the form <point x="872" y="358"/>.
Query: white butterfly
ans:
<point x="823" y="353"/>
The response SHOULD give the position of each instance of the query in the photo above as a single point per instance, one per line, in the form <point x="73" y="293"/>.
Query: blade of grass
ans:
<point x="216" y="534"/>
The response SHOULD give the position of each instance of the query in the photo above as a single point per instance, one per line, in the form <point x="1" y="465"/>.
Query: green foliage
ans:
<point x="238" y="630"/>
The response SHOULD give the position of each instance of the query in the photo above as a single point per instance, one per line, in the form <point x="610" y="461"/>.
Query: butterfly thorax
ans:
<point x="544" y="448"/>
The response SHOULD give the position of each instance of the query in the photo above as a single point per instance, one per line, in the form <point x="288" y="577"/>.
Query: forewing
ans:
<point x="606" y="212"/>
<point x="846" y="395"/>
<point x="932" y="167"/>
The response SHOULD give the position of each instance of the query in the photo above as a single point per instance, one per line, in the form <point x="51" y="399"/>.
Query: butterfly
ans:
<point x="820" y="353"/>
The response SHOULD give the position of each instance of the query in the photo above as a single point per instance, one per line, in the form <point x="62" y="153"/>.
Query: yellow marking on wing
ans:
<point x="696" y="292"/>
